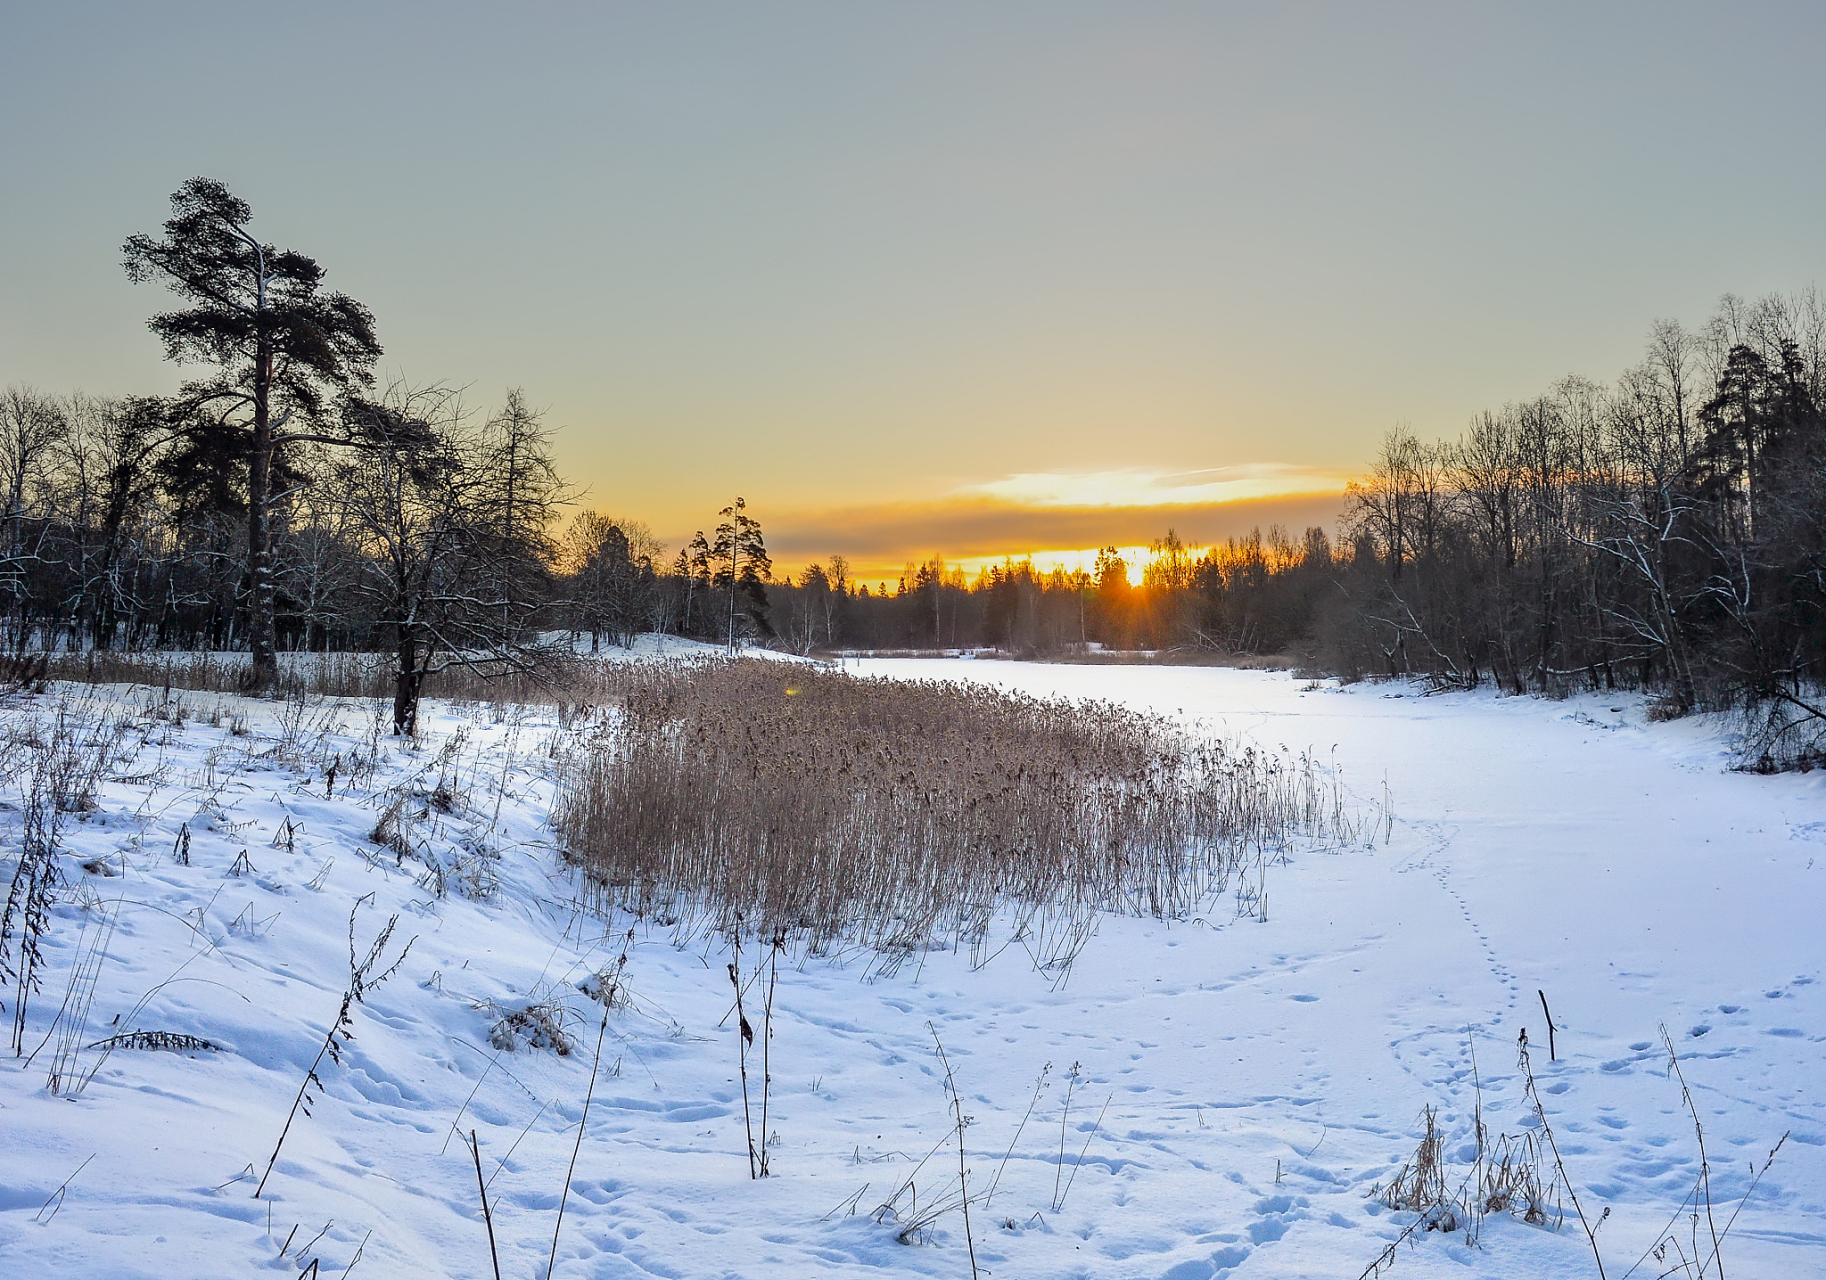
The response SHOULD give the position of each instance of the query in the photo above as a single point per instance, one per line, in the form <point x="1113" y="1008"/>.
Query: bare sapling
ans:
<point x="363" y="978"/>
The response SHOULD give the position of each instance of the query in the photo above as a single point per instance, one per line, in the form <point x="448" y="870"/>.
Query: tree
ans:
<point x="110" y="486"/>
<point x="319" y="562"/>
<point x="31" y="425"/>
<point x="806" y="609"/>
<point x="742" y="566"/>
<point x="517" y="503"/>
<point x="445" y="569"/>
<point x="612" y="585"/>
<point x="284" y="353"/>
<point x="837" y="577"/>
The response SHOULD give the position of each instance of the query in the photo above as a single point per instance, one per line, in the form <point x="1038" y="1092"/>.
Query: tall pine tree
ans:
<point x="284" y="353"/>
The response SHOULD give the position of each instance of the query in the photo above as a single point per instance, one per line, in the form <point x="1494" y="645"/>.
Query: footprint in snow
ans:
<point x="1220" y="1263"/>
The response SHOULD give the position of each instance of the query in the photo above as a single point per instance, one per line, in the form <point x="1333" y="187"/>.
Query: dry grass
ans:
<point x="1420" y="1185"/>
<point x="58" y="764"/>
<point x="336" y="675"/>
<point x="1083" y="655"/>
<point x="532" y="1026"/>
<point x="894" y="815"/>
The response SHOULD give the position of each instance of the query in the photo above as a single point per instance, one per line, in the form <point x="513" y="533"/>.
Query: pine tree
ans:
<point x="284" y="350"/>
<point x="742" y="566"/>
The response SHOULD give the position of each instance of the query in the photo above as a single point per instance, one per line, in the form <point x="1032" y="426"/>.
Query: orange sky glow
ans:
<point x="976" y="281"/>
<point x="1055" y="518"/>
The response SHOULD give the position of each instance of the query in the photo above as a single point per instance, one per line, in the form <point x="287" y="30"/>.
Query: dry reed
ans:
<point x="765" y="798"/>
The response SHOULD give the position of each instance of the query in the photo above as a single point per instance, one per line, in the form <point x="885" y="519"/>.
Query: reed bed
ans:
<point x="787" y="800"/>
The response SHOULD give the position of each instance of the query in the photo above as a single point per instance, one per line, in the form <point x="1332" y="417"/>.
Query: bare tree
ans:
<point x="31" y="425"/>
<point x="609" y="576"/>
<point x="451" y="519"/>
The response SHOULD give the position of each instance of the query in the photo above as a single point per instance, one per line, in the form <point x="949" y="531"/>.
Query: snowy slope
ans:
<point x="1259" y="1077"/>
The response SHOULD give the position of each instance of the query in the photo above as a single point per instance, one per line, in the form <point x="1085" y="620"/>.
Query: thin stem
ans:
<point x="563" y="1196"/>
<point x="298" y="1101"/>
<point x="744" y="1037"/>
<point x="1699" y="1133"/>
<point x="1076" y="1164"/>
<point x="475" y="1149"/>
<point x="1559" y="1165"/>
<point x="963" y="1185"/>
<point x="767" y="1037"/>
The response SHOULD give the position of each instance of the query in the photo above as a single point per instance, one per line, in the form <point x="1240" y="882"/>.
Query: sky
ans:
<point x="972" y="279"/>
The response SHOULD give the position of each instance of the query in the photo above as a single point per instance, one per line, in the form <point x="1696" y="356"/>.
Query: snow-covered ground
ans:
<point x="1241" y="1085"/>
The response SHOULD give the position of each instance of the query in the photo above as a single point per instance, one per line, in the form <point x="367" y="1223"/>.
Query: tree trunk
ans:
<point x="262" y="641"/>
<point x="407" y="681"/>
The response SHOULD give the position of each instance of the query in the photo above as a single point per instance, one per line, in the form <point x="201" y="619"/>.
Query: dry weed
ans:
<point x="533" y="1026"/>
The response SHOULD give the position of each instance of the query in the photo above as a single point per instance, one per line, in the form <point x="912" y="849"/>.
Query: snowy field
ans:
<point x="1240" y="1084"/>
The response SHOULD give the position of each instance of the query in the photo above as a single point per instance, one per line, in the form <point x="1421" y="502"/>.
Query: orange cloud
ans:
<point x="879" y="540"/>
<point x="1148" y="487"/>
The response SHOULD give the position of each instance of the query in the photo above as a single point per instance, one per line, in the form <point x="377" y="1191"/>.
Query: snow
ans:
<point x="1260" y="1077"/>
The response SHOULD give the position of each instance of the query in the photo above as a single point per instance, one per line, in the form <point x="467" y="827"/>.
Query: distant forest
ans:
<point x="1666" y="532"/>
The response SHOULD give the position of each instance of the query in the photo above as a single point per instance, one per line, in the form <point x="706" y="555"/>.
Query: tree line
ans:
<point x="1253" y="595"/>
<point x="1665" y="532"/>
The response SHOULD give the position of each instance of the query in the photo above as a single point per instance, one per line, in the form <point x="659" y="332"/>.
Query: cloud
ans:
<point x="1144" y="487"/>
<point x="879" y="539"/>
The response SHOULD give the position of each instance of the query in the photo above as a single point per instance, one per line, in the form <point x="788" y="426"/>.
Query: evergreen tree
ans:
<point x="742" y="566"/>
<point x="284" y="352"/>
